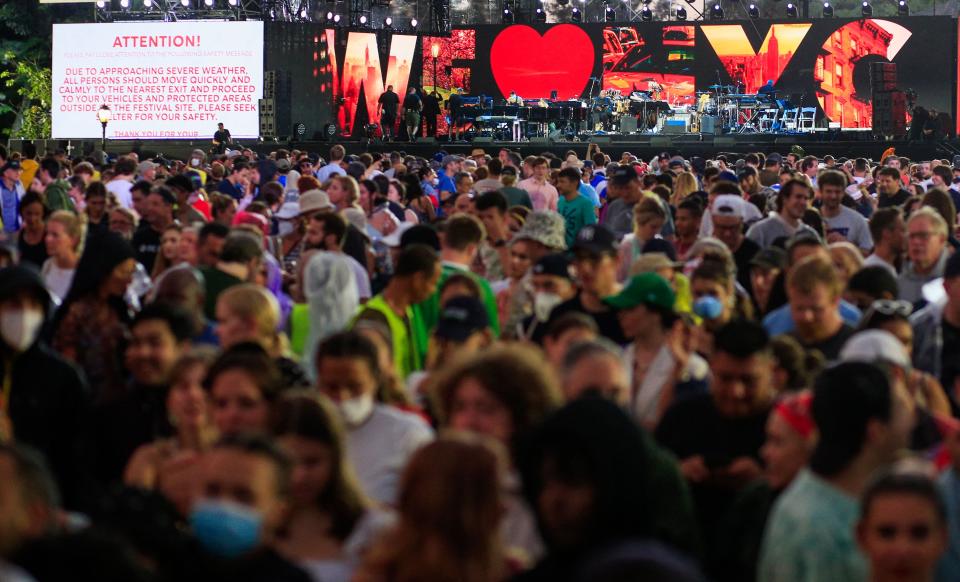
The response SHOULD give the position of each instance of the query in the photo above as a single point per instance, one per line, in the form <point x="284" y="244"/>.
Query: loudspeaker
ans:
<point x="890" y="113"/>
<point x="483" y="139"/>
<point x="883" y="76"/>
<point x="628" y="124"/>
<point x="709" y="123"/>
<point x="601" y="139"/>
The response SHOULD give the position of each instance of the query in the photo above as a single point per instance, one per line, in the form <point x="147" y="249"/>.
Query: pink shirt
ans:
<point x="543" y="195"/>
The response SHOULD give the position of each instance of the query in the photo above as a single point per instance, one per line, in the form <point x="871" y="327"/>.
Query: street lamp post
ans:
<point x="103" y="114"/>
<point x="435" y="51"/>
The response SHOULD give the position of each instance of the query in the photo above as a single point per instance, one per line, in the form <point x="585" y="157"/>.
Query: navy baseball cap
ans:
<point x="557" y="265"/>
<point x="596" y="239"/>
<point x="624" y="175"/>
<point x="462" y="317"/>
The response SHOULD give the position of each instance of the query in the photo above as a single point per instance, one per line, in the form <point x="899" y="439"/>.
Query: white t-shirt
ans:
<point x="121" y="189"/>
<point x="57" y="280"/>
<point x="875" y="261"/>
<point x="365" y="532"/>
<point x="363" y="278"/>
<point x="380" y="448"/>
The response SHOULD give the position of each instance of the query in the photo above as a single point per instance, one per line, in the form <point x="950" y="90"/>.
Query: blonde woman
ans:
<point x="684" y="185"/>
<point x="249" y="313"/>
<point x="64" y="234"/>
<point x="648" y="220"/>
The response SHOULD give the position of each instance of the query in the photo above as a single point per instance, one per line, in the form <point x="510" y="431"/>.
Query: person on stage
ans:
<point x="431" y="109"/>
<point x="455" y="107"/>
<point x="387" y="106"/>
<point x="767" y="89"/>
<point x="221" y="139"/>
<point x="412" y="105"/>
<point x="656" y="90"/>
<point x="514" y="99"/>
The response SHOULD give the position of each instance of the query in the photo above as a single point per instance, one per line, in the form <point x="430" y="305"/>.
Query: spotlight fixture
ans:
<point x="576" y="15"/>
<point x="388" y="22"/>
<point x="792" y="10"/>
<point x="208" y="3"/>
<point x="148" y="4"/>
<point x="753" y="11"/>
<point x="681" y="13"/>
<point x="646" y="14"/>
<point x="866" y="10"/>
<point x="101" y="4"/>
<point x="185" y="3"/>
<point x="233" y="2"/>
<point x="902" y="8"/>
<point x="827" y="10"/>
<point x="125" y="4"/>
<point x="414" y="22"/>
<point x="539" y="15"/>
<point x="508" y="16"/>
<point x="329" y="16"/>
<point x="716" y="12"/>
<point x="336" y="18"/>
<point x="363" y="19"/>
<point x="609" y="14"/>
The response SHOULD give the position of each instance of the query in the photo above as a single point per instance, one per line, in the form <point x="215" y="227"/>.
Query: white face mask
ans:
<point x="356" y="410"/>
<point x="284" y="227"/>
<point x="543" y="304"/>
<point x="20" y="328"/>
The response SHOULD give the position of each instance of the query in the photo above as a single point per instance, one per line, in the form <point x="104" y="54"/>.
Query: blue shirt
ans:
<point x="10" y="206"/>
<point x="588" y="192"/>
<point x="445" y="183"/>
<point x="232" y="190"/>
<point x="810" y="535"/>
<point x="780" y="320"/>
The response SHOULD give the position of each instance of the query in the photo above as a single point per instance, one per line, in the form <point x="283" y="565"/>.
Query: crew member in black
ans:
<point x="431" y="109"/>
<point x="412" y="105"/>
<point x="387" y="110"/>
<point x="221" y="139"/>
<point x="455" y="106"/>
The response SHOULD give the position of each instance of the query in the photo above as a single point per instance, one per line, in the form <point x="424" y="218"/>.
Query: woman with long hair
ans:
<point x="169" y="250"/>
<point x="684" y="185"/>
<point x="92" y="324"/>
<point x="450" y="510"/>
<point x="63" y="238"/>
<point x="648" y="220"/>
<point x="331" y="522"/>
<point x="330" y="289"/>
<point x="31" y="238"/>
<point x="170" y="464"/>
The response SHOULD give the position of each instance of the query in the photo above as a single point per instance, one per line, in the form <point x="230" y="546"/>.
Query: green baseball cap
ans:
<point x="644" y="289"/>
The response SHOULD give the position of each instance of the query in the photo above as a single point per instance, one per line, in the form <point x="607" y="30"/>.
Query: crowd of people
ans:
<point x="380" y="367"/>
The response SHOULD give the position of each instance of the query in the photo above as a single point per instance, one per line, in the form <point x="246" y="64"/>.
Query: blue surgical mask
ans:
<point x="226" y="529"/>
<point x="708" y="307"/>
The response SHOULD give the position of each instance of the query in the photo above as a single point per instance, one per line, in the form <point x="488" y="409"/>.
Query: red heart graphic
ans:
<point x="532" y="65"/>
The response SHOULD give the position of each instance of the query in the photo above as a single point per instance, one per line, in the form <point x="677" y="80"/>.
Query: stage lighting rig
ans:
<point x="753" y="11"/>
<point x="866" y="10"/>
<point x="792" y="11"/>
<point x="539" y="15"/>
<point x="827" y="10"/>
<point x="681" y="13"/>
<point x="414" y="22"/>
<point x="902" y="8"/>
<point x="575" y="15"/>
<point x="609" y="13"/>
<point x="716" y="12"/>
<point x="508" y="16"/>
<point x="646" y="15"/>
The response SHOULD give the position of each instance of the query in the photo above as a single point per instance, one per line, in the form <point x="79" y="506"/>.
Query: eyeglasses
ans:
<point x="892" y="307"/>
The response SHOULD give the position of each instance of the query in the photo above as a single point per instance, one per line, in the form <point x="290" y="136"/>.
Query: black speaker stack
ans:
<point x="889" y="104"/>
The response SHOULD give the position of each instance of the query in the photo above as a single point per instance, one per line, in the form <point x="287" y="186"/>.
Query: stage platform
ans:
<point x="839" y="144"/>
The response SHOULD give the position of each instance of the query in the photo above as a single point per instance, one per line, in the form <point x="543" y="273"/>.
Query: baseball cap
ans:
<point x="509" y="171"/>
<point x="283" y="164"/>
<point x="449" y="159"/>
<point x="662" y="246"/>
<point x="769" y="258"/>
<point x="597" y="239"/>
<point x="314" y="200"/>
<point x="729" y="205"/>
<point x="623" y="175"/>
<point x="460" y="318"/>
<point x="11" y="165"/>
<point x="644" y="289"/>
<point x="875" y="345"/>
<point x="728" y="176"/>
<point x="557" y="265"/>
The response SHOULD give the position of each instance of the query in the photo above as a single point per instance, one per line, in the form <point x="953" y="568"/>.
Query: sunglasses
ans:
<point x="892" y="307"/>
